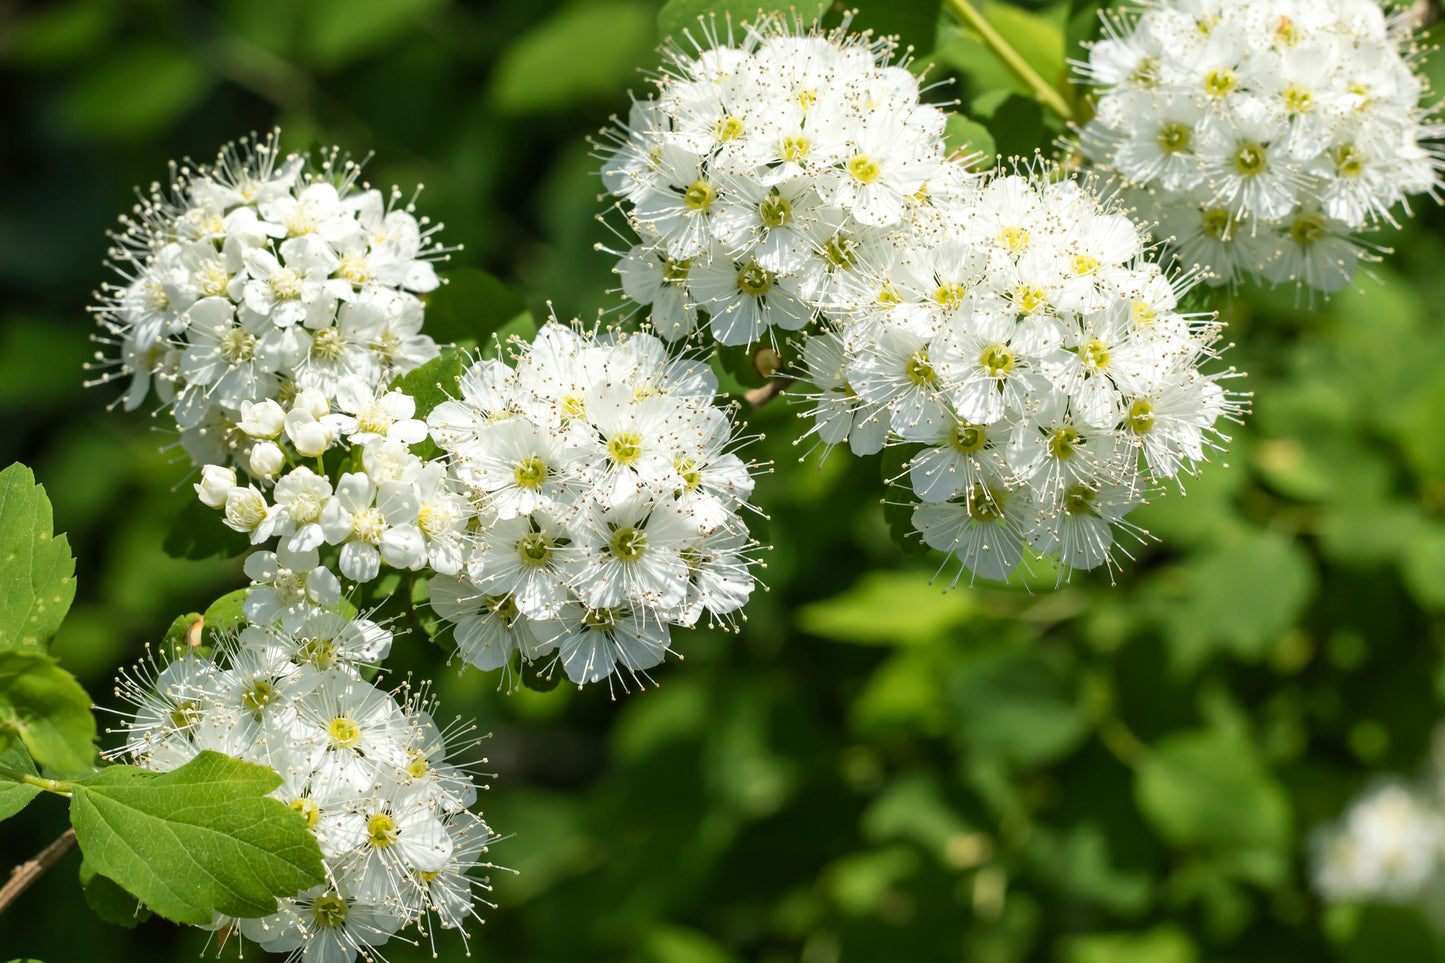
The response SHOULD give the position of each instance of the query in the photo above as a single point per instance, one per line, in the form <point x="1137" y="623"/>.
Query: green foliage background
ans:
<point x="870" y="769"/>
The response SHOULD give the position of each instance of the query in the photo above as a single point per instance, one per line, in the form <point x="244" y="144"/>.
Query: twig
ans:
<point x="26" y="873"/>
<point x="1044" y="92"/>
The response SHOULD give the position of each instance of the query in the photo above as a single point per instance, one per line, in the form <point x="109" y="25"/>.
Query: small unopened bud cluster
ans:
<point x="1262" y="135"/>
<point x="1023" y="338"/>
<point x="371" y="773"/>
<point x="767" y="157"/>
<point x="262" y="279"/>
<point x="608" y="504"/>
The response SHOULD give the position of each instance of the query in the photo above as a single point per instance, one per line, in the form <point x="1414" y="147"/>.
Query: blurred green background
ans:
<point x="870" y="769"/>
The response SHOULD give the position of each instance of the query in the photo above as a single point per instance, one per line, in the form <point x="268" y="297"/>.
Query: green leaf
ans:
<point x="913" y="22"/>
<point x="138" y="89"/>
<point x="43" y="704"/>
<point x="888" y="608"/>
<point x="970" y="137"/>
<point x="582" y="52"/>
<point x="1241" y="598"/>
<point x="37" y="573"/>
<point x="199" y="533"/>
<point x="1423" y="566"/>
<point x="202" y="839"/>
<point x="15" y="796"/>
<point x="1038" y="40"/>
<point x="679" y="15"/>
<point x="1016" y="121"/>
<point x="535" y="679"/>
<point x="1209" y="789"/>
<point x="504" y="339"/>
<point x="434" y="382"/>
<point x="1013" y="705"/>
<point x="1163" y="944"/>
<point x="341" y="31"/>
<point x="226" y="613"/>
<point x="107" y="900"/>
<point x="470" y="306"/>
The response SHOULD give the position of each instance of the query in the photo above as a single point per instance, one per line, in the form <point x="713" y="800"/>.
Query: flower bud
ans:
<point x="216" y="482"/>
<point x="263" y="419"/>
<point x="267" y="459"/>
<point x="312" y="402"/>
<point x="311" y="437"/>
<point x="245" y="508"/>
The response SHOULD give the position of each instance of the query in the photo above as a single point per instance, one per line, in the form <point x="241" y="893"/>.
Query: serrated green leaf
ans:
<point x="109" y="901"/>
<point x="434" y="382"/>
<point x="1209" y="789"/>
<point x="199" y="840"/>
<point x="48" y="710"/>
<point x="679" y="15"/>
<point x="37" y="573"/>
<point x="470" y="306"/>
<point x="15" y="796"/>
<point x="199" y="533"/>
<point x="582" y="51"/>
<point x="226" y="613"/>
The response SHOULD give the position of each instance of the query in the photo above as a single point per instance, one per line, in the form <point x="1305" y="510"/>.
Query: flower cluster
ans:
<point x="1389" y="845"/>
<point x="371" y="774"/>
<point x="759" y="167"/>
<point x="259" y="279"/>
<point x="607" y="497"/>
<point x="1263" y="134"/>
<point x="1023" y="338"/>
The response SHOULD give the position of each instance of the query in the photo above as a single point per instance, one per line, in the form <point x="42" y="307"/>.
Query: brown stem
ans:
<point x="758" y="397"/>
<point x="26" y="873"/>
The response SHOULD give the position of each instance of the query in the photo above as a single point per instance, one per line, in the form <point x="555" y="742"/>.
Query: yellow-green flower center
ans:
<point x="1095" y="355"/>
<point x="795" y="148"/>
<point x="997" y="360"/>
<point x="919" y="370"/>
<point x="841" y="251"/>
<point x="343" y="733"/>
<point x="864" y="169"/>
<point x="1297" y="99"/>
<point x="309" y="811"/>
<point x="1063" y="442"/>
<point x="984" y="504"/>
<point x="699" y="196"/>
<point x="775" y="211"/>
<point x="691" y="475"/>
<point x="755" y="281"/>
<point x="535" y="550"/>
<point x="967" y="439"/>
<point x="1306" y="230"/>
<point x="530" y="472"/>
<point x="1015" y="239"/>
<point x="381" y="830"/>
<point x="1217" y="223"/>
<point x="1349" y="161"/>
<point x="258" y="695"/>
<point x="329" y="910"/>
<point x="949" y="294"/>
<point x="1079" y="500"/>
<point x="1141" y="416"/>
<point x="674" y="272"/>
<point x="624" y="448"/>
<point x="627" y="544"/>
<point x="319" y="652"/>
<point x="1249" y="159"/>
<point x="1174" y="138"/>
<point x="729" y="128"/>
<point x="1219" y="82"/>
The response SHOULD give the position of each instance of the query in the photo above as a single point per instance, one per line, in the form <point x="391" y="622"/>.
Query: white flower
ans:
<point x="249" y="277"/>
<point x="1279" y="115"/>
<point x="488" y="628"/>
<point x="1386" y="847"/>
<point x="373" y="416"/>
<point x="373" y="524"/>
<point x="215" y="485"/>
<point x="285" y="584"/>
<point x="266" y="459"/>
<point x="245" y="511"/>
